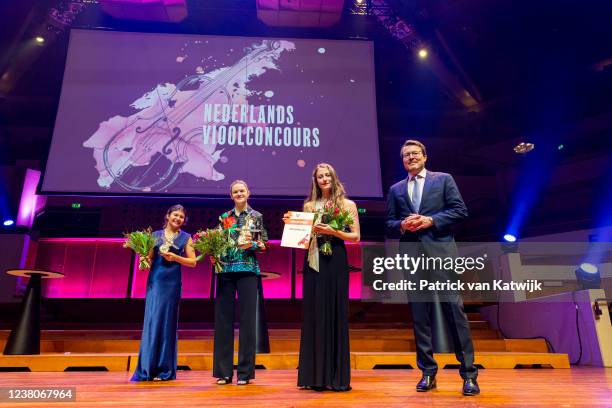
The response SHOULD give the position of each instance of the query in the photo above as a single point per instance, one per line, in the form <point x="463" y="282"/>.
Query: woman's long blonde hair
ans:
<point x="338" y="194"/>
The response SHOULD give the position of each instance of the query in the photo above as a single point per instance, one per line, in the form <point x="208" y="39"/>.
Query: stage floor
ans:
<point x="576" y="387"/>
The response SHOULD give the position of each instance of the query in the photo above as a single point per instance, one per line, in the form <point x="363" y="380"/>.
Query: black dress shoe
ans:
<point x="427" y="383"/>
<point x="341" y="388"/>
<point x="470" y="387"/>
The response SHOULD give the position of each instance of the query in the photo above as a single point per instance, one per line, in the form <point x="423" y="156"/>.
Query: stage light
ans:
<point x="509" y="245"/>
<point x="560" y="147"/>
<point x="359" y="1"/>
<point x="423" y="53"/>
<point x="523" y="148"/>
<point x="509" y="238"/>
<point x="8" y="222"/>
<point x="588" y="276"/>
<point x="40" y="39"/>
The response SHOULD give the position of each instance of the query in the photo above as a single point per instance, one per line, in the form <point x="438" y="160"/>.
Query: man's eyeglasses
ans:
<point x="411" y="154"/>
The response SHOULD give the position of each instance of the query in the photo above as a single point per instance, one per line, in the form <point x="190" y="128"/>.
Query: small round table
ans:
<point x="25" y="336"/>
<point x="266" y="275"/>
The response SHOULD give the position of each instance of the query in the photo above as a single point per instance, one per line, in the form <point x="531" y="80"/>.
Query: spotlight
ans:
<point x="40" y="39"/>
<point x="8" y="222"/>
<point x="588" y="276"/>
<point x="509" y="238"/>
<point x="560" y="147"/>
<point x="509" y="245"/>
<point x="523" y="148"/>
<point x="423" y="53"/>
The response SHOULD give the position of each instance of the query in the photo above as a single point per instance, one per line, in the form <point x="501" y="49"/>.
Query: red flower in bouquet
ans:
<point x="336" y="218"/>
<point x="228" y="222"/>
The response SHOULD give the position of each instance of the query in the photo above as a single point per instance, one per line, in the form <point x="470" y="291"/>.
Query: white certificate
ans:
<point x="298" y="230"/>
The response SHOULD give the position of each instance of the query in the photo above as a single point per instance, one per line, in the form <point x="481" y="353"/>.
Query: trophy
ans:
<point x="167" y="244"/>
<point x="256" y="230"/>
<point x="246" y="229"/>
<point x="164" y="248"/>
<point x="251" y="227"/>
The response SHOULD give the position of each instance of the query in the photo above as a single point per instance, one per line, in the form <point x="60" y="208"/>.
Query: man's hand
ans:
<point x="415" y="222"/>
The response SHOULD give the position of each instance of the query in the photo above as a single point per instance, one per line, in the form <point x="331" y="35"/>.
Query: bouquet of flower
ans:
<point x="337" y="218"/>
<point x="213" y="242"/>
<point x="141" y="242"/>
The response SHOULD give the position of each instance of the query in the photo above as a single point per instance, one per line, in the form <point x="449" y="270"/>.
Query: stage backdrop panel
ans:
<point x="102" y="268"/>
<point x="168" y="114"/>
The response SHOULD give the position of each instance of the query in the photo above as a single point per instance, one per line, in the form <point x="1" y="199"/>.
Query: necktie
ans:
<point x="416" y="195"/>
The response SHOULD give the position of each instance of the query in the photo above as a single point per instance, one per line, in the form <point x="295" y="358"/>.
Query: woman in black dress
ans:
<point x="324" y="346"/>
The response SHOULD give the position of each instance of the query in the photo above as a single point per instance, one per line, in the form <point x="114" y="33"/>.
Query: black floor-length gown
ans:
<point x="324" y="345"/>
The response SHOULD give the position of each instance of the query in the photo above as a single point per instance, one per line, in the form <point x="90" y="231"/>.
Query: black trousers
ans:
<point x="459" y="328"/>
<point x="228" y="284"/>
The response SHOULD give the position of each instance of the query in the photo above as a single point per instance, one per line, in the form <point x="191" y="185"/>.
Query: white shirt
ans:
<point x="420" y="180"/>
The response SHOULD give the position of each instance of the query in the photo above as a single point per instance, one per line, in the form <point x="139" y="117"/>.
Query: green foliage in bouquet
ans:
<point x="141" y="242"/>
<point x="213" y="242"/>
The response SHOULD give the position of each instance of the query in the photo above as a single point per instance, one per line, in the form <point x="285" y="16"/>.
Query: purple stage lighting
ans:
<point x="171" y="11"/>
<point x="300" y="13"/>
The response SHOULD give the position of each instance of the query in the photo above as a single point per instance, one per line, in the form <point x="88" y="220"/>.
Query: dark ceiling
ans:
<point x="537" y="71"/>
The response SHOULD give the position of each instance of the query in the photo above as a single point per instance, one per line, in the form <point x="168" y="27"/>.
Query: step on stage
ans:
<point x="576" y="387"/>
<point x="371" y="348"/>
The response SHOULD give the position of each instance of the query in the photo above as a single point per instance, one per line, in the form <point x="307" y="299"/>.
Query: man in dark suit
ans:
<point x="422" y="209"/>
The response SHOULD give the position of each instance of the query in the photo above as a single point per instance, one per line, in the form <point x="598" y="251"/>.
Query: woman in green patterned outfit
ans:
<point x="239" y="274"/>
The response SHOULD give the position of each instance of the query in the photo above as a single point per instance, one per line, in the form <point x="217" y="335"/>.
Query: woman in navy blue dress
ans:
<point x="157" y="358"/>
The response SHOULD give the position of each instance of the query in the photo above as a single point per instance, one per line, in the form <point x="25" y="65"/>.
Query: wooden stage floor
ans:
<point x="576" y="387"/>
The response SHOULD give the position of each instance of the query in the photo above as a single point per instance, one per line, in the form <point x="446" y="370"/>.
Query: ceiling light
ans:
<point x="523" y="148"/>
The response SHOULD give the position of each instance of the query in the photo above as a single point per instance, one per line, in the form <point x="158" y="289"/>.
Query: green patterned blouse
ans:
<point x="238" y="259"/>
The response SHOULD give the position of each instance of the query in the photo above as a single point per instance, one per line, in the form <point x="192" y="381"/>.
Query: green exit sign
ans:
<point x="361" y="210"/>
<point x="76" y="205"/>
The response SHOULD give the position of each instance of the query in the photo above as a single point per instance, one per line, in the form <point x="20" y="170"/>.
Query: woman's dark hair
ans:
<point x="176" y="207"/>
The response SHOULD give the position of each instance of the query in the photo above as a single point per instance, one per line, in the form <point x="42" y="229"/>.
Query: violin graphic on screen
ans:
<point x="147" y="151"/>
